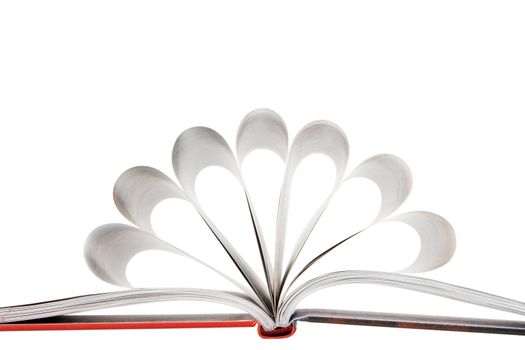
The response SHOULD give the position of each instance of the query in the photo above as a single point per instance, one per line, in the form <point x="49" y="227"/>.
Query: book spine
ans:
<point x="277" y="333"/>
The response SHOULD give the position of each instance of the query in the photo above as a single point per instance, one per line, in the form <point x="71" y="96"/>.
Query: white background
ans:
<point x="90" y="89"/>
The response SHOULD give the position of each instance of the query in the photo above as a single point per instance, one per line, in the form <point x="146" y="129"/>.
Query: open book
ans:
<point x="267" y="286"/>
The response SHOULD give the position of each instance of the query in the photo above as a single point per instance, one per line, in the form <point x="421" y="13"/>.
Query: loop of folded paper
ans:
<point x="196" y="149"/>
<point x="109" y="249"/>
<point x="138" y="191"/>
<point x="322" y="137"/>
<point x="438" y="241"/>
<point x="262" y="129"/>
<point x="393" y="178"/>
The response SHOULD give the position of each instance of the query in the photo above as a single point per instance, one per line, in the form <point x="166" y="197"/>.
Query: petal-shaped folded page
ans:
<point x="199" y="148"/>
<point x="139" y="189"/>
<point x="393" y="177"/>
<point x="436" y="248"/>
<point x="319" y="137"/>
<point x="109" y="248"/>
<point x="263" y="130"/>
<point x="438" y="240"/>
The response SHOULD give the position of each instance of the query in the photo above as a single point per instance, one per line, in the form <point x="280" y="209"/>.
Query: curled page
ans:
<point x="321" y="137"/>
<point x="262" y="129"/>
<point x="436" y="235"/>
<point x="194" y="150"/>
<point x="138" y="191"/>
<point x="109" y="249"/>
<point x="438" y="241"/>
<point x="393" y="178"/>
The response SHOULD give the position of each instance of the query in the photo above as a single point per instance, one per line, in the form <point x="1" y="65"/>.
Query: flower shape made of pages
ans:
<point x="109" y="248"/>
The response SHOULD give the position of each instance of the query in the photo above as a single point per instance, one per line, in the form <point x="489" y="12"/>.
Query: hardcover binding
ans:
<point x="277" y="333"/>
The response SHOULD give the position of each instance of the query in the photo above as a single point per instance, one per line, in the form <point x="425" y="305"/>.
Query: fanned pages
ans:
<point x="270" y="298"/>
